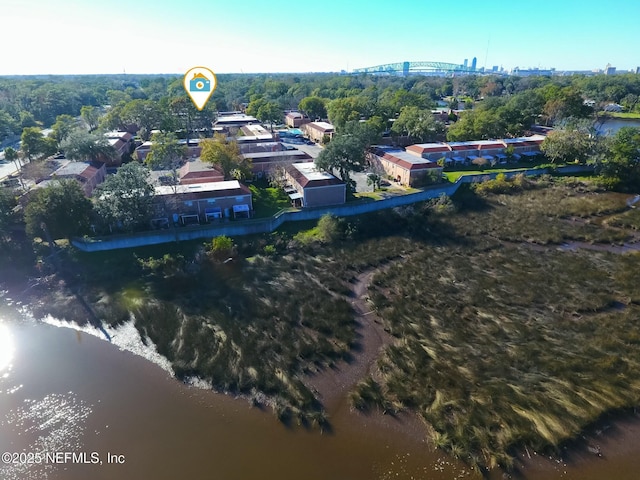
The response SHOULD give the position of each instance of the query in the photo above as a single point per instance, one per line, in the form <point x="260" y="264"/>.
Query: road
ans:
<point x="6" y="168"/>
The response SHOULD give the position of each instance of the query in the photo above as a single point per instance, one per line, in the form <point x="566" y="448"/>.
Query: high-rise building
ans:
<point x="609" y="70"/>
<point x="473" y="64"/>
<point x="465" y="63"/>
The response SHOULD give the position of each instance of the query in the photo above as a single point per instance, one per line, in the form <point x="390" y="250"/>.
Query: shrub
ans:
<point x="222" y="246"/>
<point x="329" y="228"/>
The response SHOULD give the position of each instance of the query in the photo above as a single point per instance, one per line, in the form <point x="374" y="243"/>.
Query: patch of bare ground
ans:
<point x="332" y="384"/>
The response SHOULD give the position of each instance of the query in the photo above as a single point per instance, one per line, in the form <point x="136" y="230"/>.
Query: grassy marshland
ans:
<point x="502" y="345"/>
<point x="502" y="341"/>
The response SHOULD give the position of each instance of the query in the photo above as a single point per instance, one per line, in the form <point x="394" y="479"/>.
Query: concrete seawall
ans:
<point x="265" y="225"/>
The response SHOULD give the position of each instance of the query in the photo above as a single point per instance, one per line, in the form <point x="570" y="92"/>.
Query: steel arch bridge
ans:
<point x="406" y="68"/>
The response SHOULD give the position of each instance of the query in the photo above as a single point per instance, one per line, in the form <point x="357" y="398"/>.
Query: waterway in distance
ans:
<point x="65" y="390"/>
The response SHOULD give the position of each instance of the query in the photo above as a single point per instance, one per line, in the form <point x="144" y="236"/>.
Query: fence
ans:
<point x="266" y="225"/>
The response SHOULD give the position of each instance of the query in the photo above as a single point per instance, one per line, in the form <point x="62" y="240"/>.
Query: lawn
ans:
<point x="625" y="115"/>
<point x="267" y="200"/>
<point x="453" y="176"/>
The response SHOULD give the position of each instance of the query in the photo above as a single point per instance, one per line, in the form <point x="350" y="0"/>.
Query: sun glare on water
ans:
<point x="6" y="347"/>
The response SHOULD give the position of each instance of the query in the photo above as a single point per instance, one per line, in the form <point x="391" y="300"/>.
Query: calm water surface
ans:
<point x="63" y="390"/>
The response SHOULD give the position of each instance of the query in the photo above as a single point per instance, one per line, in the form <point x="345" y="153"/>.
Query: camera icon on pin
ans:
<point x="199" y="83"/>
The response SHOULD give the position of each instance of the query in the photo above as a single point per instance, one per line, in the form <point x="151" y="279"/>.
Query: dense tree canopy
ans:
<point x="81" y="145"/>
<point x="166" y="152"/>
<point x="418" y="124"/>
<point x="313" y="107"/>
<point x="35" y="145"/>
<point x="7" y="204"/>
<point x="225" y="156"/>
<point x="622" y="166"/>
<point x="575" y="142"/>
<point x="346" y="154"/>
<point x="125" y="200"/>
<point x="62" y="207"/>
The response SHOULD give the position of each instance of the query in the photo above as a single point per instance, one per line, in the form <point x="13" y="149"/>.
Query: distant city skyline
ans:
<point x="79" y="37"/>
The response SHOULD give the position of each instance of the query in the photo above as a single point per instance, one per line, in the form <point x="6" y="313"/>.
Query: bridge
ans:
<point x="407" y="68"/>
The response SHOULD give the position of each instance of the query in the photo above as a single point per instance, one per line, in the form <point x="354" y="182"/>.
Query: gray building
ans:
<point x="310" y="187"/>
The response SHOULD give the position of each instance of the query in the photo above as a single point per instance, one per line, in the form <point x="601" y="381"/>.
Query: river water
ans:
<point x="610" y="126"/>
<point x="65" y="390"/>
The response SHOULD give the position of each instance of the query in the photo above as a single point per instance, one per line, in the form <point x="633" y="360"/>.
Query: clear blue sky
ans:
<point x="160" y="36"/>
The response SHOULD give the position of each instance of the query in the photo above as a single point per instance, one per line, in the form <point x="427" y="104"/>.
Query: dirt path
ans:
<point x="332" y="384"/>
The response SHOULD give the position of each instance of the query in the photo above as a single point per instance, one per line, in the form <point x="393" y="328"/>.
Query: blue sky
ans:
<point x="158" y="36"/>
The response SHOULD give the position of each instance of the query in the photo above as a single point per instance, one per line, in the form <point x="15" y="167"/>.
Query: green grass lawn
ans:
<point x="453" y="176"/>
<point x="625" y="115"/>
<point x="268" y="201"/>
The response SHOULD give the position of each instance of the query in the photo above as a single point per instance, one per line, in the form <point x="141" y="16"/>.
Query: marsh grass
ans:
<point x="498" y="345"/>
<point x="628" y="219"/>
<point x="507" y="347"/>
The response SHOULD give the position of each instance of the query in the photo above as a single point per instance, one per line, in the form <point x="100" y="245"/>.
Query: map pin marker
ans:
<point x="199" y="82"/>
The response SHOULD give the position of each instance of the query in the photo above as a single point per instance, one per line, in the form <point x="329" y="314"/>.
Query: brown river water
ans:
<point x="65" y="391"/>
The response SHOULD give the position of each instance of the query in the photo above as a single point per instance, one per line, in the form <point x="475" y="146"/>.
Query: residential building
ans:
<point x="295" y="119"/>
<point x="89" y="174"/>
<point x="193" y="148"/>
<point x="406" y="168"/>
<point x="316" y="131"/>
<point x="263" y="162"/>
<point x="430" y="151"/>
<point x="465" y="152"/>
<point x="310" y="187"/>
<point x="201" y="202"/>
<point x="232" y="123"/>
<point x="122" y="143"/>
<point x="197" y="171"/>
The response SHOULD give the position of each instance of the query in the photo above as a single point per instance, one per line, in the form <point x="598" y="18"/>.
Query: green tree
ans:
<point x="570" y="144"/>
<point x="418" y="124"/>
<point x="343" y="110"/>
<point x="270" y="112"/>
<point x="330" y="228"/>
<point x="84" y="146"/>
<point x="91" y="116"/>
<point x="313" y="107"/>
<point x="64" y="125"/>
<point x="166" y="152"/>
<point x="11" y="155"/>
<point x="7" y="204"/>
<point x="62" y="207"/>
<point x="222" y="247"/>
<point x="344" y="153"/>
<point x="34" y="145"/>
<point x="622" y="167"/>
<point x="145" y="114"/>
<point x="125" y="200"/>
<point x="226" y="157"/>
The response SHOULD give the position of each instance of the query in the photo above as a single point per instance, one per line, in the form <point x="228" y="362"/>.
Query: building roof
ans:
<point x="426" y="148"/>
<point x="236" y="119"/>
<point x="80" y="170"/>
<point x="533" y="140"/>
<point x="295" y="115"/>
<point x="276" y="155"/>
<point x="321" y="126"/>
<point x="231" y="188"/>
<point x="409" y="161"/>
<point x="196" y="171"/>
<point x="254" y="130"/>
<point x="462" y="146"/>
<point x="117" y="134"/>
<point x="489" y="144"/>
<point x="308" y="176"/>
